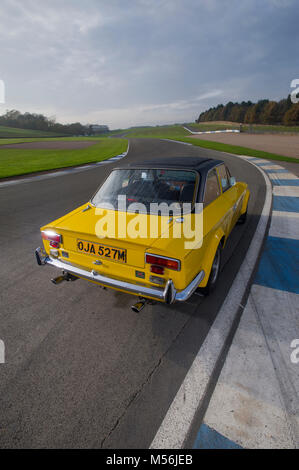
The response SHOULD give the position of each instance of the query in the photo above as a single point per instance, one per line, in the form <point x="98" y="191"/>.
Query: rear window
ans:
<point x="147" y="186"/>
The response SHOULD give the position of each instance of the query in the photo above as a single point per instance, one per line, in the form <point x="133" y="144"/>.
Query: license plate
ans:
<point x="103" y="251"/>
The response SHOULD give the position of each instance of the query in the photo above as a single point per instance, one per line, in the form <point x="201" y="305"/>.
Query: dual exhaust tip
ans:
<point x="138" y="306"/>
<point x="141" y="304"/>
<point x="69" y="277"/>
<point x="63" y="277"/>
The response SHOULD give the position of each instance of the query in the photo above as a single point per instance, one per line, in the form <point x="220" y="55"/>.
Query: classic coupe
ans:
<point x="154" y="229"/>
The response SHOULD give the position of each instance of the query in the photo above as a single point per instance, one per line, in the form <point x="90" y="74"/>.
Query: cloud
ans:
<point x="129" y="62"/>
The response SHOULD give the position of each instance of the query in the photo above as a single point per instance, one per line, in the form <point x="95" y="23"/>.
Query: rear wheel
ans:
<point x="242" y="219"/>
<point x="214" y="274"/>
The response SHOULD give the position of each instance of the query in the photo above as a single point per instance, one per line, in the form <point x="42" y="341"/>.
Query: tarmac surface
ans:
<point x="81" y="369"/>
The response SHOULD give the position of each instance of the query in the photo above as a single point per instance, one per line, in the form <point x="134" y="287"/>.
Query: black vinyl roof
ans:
<point x="186" y="163"/>
<point x="199" y="164"/>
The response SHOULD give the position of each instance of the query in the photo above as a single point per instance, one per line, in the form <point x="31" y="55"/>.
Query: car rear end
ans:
<point x="151" y="267"/>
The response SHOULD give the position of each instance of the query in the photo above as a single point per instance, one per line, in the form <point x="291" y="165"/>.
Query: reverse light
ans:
<point x="54" y="238"/>
<point x="169" y="263"/>
<point x="157" y="280"/>
<point x="54" y="253"/>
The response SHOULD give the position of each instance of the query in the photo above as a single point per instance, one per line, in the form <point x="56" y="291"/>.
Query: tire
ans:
<point x="242" y="219"/>
<point x="214" y="274"/>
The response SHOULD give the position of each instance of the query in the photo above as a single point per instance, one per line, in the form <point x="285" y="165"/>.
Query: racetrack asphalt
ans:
<point x="82" y="369"/>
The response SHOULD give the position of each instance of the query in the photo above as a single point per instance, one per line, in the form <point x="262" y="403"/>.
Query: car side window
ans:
<point x="224" y="177"/>
<point x="212" y="190"/>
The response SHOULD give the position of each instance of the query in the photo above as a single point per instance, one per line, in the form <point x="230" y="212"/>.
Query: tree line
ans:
<point x="39" y="122"/>
<point x="263" y="112"/>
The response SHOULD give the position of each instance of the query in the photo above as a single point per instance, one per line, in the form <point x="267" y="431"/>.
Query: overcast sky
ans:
<point x="135" y="62"/>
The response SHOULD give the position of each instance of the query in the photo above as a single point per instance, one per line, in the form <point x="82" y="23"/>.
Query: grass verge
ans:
<point x="14" y="162"/>
<point x="235" y="149"/>
<point x="158" y="132"/>
<point x="49" y="139"/>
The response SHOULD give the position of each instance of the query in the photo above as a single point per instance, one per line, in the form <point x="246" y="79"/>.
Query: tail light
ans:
<point x="54" y="238"/>
<point x="157" y="269"/>
<point x="161" y="261"/>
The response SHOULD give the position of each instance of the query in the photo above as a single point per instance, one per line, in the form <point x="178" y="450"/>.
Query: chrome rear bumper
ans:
<point x="168" y="295"/>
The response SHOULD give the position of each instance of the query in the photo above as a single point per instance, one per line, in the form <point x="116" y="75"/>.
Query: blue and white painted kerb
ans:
<point x="279" y="266"/>
<point x="255" y="402"/>
<point x="208" y="438"/>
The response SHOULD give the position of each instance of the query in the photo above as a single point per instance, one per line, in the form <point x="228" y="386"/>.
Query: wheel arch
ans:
<point x="218" y="239"/>
<point x="245" y="202"/>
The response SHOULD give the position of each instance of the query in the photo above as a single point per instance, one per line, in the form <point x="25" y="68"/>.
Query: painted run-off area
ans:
<point x="255" y="402"/>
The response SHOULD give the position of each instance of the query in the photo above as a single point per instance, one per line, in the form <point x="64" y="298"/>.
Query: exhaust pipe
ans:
<point x="63" y="277"/>
<point x="138" y="306"/>
<point x="58" y="280"/>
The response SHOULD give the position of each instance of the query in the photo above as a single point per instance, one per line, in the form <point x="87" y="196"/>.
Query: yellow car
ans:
<point x="153" y="229"/>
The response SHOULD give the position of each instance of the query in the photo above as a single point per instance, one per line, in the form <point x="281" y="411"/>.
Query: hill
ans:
<point x="13" y="132"/>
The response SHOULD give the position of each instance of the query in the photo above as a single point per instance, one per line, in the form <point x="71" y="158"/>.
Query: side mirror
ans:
<point x="232" y="180"/>
<point x="224" y="183"/>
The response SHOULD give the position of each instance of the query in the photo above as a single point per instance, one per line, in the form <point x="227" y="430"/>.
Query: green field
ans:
<point x="158" y="132"/>
<point x="13" y="132"/>
<point x="49" y="139"/>
<point x="15" y="162"/>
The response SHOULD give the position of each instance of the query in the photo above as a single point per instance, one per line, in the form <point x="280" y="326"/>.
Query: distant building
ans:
<point x="97" y="129"/>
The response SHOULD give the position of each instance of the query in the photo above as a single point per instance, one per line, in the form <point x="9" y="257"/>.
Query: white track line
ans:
<point x="178" y="420"/>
